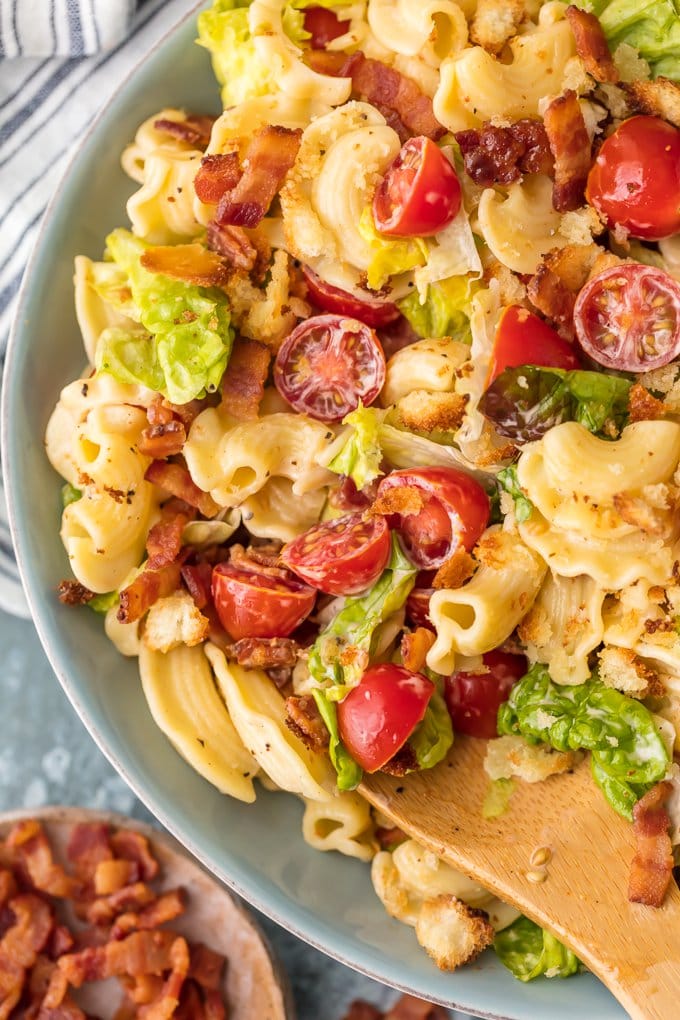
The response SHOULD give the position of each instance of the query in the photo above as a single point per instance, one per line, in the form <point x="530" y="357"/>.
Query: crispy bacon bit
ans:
<point x="8" y="886"/>
<point x="389" y="838"/>
<point x="264" y="559"/>
<point x="111" y="876"/>
<point x="29" y="933"/>
<point x="147" y="588"/>
<point x="217" y="174"/>
<point x="168" y="999"/>
<point x="104" y="909"/>
<point x="161" y="441"/>
<point x="206" y="966"/>
<point x="410" y="1008"/>
<point x="195" y="129"/>
<point x="403" y="762"/>
<point x="348" y="497"/>
<point x="391" y="92"/>
<point x="415" y="646"/>
<point x="591" y="45"/>
<point x="143" y="952"/>
<point x="303" y="718"/>
<point x="234" y="244"/>
<point x="243" y="382"/>
<point x="33" y="851"/>
<point x="500" y="155"/>
<point x="163" y="909"/>
<point x="652" y="868"/>
<point x="560" y="276"/>
<point x="73" y="593"/>
<point x="362" y="1010"/>
<point x="570" y="145"/>
<point x="88" y="846"/>
<point x="61" y="941"/>
<point x="264" y="653"/>
<point x="176" y="480"/>
<point x="132" y="846"/>
<point x="267" y="157"/>
<point x="193" y="263"/>
<point x="643" y="406"/>
<point x="456" y="571"/>
<point x="400" y="499"/>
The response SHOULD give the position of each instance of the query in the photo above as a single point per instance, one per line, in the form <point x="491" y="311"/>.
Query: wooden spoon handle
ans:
<point x="633" y="949"/>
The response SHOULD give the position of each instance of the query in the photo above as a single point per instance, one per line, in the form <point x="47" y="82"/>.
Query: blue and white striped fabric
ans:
<point x="50" y="91"/>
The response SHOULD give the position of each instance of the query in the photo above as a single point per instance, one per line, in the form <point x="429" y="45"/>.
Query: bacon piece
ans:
<point x="193" y="263"/>
<point x="264" y="653"/>
<point x="391" y="92"/>
<point x="244" y="379"/>
<point x="165" y="908"/>
<point x="168" y="1000"/>
<point x="206" y="966"/>
<point x="570" y="145"/>
<point x="591" y="45"/>
<point x="389" y="838"/>
<point x="104" y="909"/>
<point x="561" y="275"/>
<point x="111" y="876"/>
<point x="88" y="846"/>
<point x="163" y="440"/>
<point x="8" y="886"/>
<point x="644" y="406"/>
<point x="190" y="1005"/>
<point x="652" y="867"/>
<point x="143" y="952"/>
<point x="214" y="1006"/>
<point x="348" y="497"/>
<point x="176" y="480"/>
<point x="233" y="243"/>
<point x="500" y="155"/>
<point x="195" y="129"/>
<point x="217" y="174"/>
<point x="198" y="579"/>
<point x="73" y="593"/>
<point x="61" y="941"/>
<point x="362" y="1010"/>
<point x="267" y="157"/>
<point x="20" y="945"/>
<point x="415" y="646"/>
<point x="133" y="846"/>
<point x="152" y="584"/>
<point x="410" y="1008"/>
<point x="262" y="559"/>
<point x="304" y="719"/>
<point x="29" y="841"/>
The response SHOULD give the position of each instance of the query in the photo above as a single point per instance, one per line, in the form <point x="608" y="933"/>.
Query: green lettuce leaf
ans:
<point x="361" y="456"/>
<point x="337" y="658"/>
<point x="349" y="773"/>
<point x="224" y="32"/>
<point x="525" y="402"/>
<point x="69" y="494"/>
<point x="110" y="282"/>
<point x="652" y="27"/>
<point x="390" y="256"/>
<point x="628" y="753"/>
<point x="529" y="952"/>
<point x="185" y="352"/>
<point x="432" y="738"/>
<point x="445" y="312"/>
<point x="507" y="479"/>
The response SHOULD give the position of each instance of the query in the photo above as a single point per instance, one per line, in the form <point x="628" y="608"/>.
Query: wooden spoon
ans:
<point x="254" y="985"/>
<point x="633" y="949"/>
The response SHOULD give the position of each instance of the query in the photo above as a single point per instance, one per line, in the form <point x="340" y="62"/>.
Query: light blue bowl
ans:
<point x="258" y="850"/>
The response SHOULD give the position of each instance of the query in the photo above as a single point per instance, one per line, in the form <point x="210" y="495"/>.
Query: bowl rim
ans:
<point x="247" y="892"/>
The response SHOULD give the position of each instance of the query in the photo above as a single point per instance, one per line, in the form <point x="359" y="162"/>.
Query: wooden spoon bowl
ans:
<point x="633" y="949"/>
<point x="254" y="985"/>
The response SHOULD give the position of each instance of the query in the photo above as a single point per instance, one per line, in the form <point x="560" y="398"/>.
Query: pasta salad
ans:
<point x="379" y="437"/>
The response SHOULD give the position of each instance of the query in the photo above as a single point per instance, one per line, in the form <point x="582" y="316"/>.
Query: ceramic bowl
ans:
<point x="326" y="899"/>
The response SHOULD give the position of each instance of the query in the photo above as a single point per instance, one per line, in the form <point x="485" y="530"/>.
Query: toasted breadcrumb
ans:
<point x="415" y="646"/>
<point x="456" y="571"/>
<point x="658" y="98"/>
<point x="269" y="316"/>
<point x="643" y="405"/>
<point x="400" y="499"/>
<point x="423" y="411"/>
<point x="622" y="669"/>
<point x="652" y="511"/>
<point x="512" y="756"/>
<point x="452" y="933"/>
<point x="174" y="621"/>
<point x="496" y="22"/>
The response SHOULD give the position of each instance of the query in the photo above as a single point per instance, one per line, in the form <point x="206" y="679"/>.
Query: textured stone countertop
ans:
<point x="47" y="757"/>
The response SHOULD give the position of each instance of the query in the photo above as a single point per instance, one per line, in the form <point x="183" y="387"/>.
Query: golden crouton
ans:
<point x="267" y="317"/>
<point x="496" y="22"/>
<point x="175" y="621"/>
<point x="451" y="932"/>
<point x="658" y="98"/>
<point x="622" y="669"/>
<point x="425" y="412"/>
<point x="512" y="756"/>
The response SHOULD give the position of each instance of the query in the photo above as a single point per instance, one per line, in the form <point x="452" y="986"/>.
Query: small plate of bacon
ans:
<point x="104" y="917"/>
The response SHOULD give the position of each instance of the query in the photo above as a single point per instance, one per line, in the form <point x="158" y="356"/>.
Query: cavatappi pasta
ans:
<point x="379" y="397"/>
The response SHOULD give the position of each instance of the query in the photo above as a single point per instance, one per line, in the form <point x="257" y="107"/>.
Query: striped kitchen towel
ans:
<point x="46" y="106"/>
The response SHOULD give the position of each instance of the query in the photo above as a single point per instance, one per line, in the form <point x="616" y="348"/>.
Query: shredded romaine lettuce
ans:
<point x="445" y="311"/>
<point x="349" y="773"/>
<point x="652" y="27"/>
<point x="361" y="456"/>
<point x="391" y="256"/>
<point x="507" y="479"/>
<point x="69" y="494"/>
<point x="628" y="752"/>
<point x="530" y="952"/>
<point x="102" y="603"/>
<point x="185" y="351"/>
<point x="432" y="738"/>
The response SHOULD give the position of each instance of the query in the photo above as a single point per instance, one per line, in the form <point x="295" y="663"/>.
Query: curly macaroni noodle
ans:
<point x="433" y="29"/>
<point x="343" y="823"/>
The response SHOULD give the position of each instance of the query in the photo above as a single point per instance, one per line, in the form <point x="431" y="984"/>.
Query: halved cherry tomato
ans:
<point x="323" y="25"/>
<point x="327" y="365"/>
<point x="254" y="604"/>
<point x="379" y="715"/>
<point x="473" y="699"/>
<point x="628" y="318"/>
<point x="455" y="513"/>
<point x="370" y="310"/>
<point x="340" y="557"/>
<point x="635" y="180"/>
<point x="524" y="339"/>
<point x="419" y="194"/>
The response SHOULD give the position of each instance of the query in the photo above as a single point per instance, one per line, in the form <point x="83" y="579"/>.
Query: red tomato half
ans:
<point x="340" y="557"/>
<point x="420" y="193"/>
<point x="635" y="180"/>
<point x="379" y="715"/>
<point x="524" y="339"/>
<point x="628" y="318"/>
<point x="253" y="604"/>
<point x="372" y="311"/>
<point x="473" y="699"/>
<point x="455" y="513"/>
<point x="327" y="365"/>
<point x="323" y="25"/>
